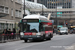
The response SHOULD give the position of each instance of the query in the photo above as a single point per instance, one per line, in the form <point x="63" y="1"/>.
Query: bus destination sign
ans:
<point x="30" y="20"/>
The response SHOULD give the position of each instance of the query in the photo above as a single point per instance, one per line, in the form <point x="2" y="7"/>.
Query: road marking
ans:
<point x="70" y="47"/>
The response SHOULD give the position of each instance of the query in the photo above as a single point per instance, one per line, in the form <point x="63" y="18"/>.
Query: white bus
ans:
<point x="35" y="27"/>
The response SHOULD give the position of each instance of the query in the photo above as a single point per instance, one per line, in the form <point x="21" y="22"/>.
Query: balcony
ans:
<point x="4" y="11"/>
<point x="3" y="14"/>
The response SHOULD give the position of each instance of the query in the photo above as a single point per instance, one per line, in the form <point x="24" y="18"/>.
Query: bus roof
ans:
<point x="35" y="17"/>
<point x="41" y="18"/>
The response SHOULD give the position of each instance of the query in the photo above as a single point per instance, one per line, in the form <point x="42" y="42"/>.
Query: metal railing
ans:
<point x="9" y="37"/>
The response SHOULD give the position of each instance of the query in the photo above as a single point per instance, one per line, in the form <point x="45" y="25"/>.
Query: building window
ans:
<point x="2" y="9"/>
<point x="19" y="1"/>
<point x="19" y="13"/>
<point x="6" y="10"/>
<point x="16" y="13"/>
<point x="11" y="0"/>
<point x="11" y="12"/>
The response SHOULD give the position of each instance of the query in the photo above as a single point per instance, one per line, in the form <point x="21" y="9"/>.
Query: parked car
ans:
<point x="63" y="30"/>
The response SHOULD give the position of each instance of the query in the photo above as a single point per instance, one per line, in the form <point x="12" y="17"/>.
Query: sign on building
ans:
<point x="59" y="14"/>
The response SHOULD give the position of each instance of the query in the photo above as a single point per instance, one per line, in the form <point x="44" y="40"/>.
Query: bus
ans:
<point x="35" y="27"/>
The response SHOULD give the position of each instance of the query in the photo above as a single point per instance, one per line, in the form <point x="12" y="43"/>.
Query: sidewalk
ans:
<point x="9" y="38"/>
<point x="4" y="41"/>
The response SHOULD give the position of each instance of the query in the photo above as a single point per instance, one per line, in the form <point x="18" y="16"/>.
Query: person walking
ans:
<point x="19" y="32"/>
<point x="9" y="33"/>
<point x="5" y="32"/>
<point x="14" y="33"/>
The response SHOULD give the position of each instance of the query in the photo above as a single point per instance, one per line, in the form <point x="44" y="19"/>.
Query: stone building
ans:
<point x="10" y="14"/>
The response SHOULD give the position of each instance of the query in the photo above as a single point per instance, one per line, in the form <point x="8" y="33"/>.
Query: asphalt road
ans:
<point x="58" y="42"/>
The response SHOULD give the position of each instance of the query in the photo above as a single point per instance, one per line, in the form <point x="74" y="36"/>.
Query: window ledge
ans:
<point x="18" y="17"/>
<point x="18" y="3"/>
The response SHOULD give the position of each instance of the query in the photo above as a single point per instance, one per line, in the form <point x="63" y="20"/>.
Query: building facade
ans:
<point x="73" y="3"/>
<point x="60" y="8"/>
<point x="31" y="0"/>
<point x="63" y="15"/>
<point x="10" y="14"/>
<point x="56" y="6"/>
<point x="53" y="3"/>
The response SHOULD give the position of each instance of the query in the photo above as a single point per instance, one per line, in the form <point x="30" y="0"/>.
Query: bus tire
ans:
<point x="42" y="39"/>
<point x="51" y="35"/>
<point x="66" y="33"/>
<point x="49" y="38"/>
<point x="25" y="40"/>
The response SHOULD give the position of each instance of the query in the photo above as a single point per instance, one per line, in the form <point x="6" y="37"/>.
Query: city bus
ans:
<point x="35" y="27"/>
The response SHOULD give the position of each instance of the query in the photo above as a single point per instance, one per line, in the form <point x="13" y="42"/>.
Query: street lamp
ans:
<point x="56" y="19"/>
<point x="42" y="8"/>
<point x="24" y="10"/>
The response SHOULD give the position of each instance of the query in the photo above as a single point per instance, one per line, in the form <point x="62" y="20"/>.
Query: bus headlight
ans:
<point x="38" y="34"/>
<point x="21" y="33"/>
<point x="33" y="33"/>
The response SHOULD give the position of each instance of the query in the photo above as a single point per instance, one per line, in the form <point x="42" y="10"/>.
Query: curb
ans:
<point x="9" y="40"/>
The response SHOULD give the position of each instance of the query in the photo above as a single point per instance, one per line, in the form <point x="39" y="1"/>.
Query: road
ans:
<point x="58" y="42"/>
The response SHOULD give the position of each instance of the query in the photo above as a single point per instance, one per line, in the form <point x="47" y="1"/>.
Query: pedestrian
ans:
<point x="53" y="30"/>
<point x="5" y="32"/>
<point x="9" y="33"/>
<point x="19" y="32"/>
<point x="14" y="33"/>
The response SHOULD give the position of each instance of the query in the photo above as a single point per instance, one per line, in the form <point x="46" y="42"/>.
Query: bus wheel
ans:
<point x="49" y="38"/>
<point x="51" y="35"/>
<point x="66" y="33"/>
<point x="25" y="40"/>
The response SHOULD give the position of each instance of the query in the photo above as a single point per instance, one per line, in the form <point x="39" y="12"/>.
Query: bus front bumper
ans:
<point x="37" y="37"/>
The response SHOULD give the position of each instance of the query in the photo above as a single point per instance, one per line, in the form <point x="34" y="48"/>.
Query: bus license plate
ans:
<point x="30" y="38"/>
<point x="46" y="35"/>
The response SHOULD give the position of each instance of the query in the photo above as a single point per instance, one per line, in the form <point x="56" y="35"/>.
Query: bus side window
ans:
<point x="41" y="28"/>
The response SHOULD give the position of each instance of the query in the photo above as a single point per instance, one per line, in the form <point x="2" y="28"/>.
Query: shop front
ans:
<point x="6" y="24"/>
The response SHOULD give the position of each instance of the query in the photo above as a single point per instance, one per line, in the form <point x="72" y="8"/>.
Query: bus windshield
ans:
<point x="30" y="27"/>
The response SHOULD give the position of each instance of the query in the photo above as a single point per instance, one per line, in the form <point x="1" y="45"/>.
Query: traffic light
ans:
<point x="66" y="24"/>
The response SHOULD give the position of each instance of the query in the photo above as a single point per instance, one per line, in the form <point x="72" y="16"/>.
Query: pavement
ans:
<point x="58" y="42"/>
<point x="4" y="41"/>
